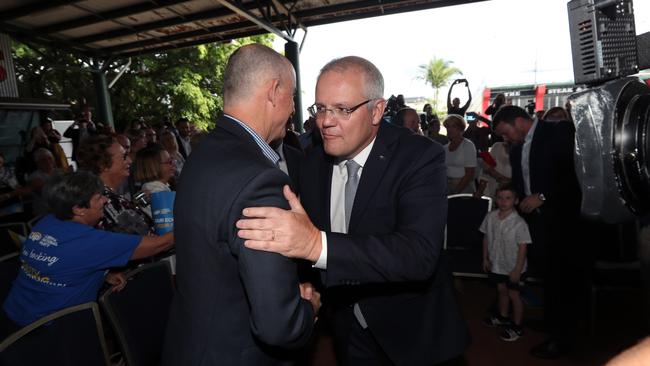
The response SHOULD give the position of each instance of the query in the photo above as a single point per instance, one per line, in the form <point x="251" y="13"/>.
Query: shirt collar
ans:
<point x="361" y="157"/>
<point x="531" y="132"/>
<point x="263" y="145"/>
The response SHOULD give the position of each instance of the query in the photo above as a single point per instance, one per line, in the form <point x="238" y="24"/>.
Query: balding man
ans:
<point x="234" y="305"/>
<point x="377" y="205"/>
<point x="409" y="118"/>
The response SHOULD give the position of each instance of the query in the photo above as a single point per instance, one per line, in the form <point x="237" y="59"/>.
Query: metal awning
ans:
<point x="123" y="28"/>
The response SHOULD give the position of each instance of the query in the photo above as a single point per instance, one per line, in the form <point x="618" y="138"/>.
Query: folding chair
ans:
<point x="463" y="241"/>
<point x="138" y="313"/>
<point x="72" y="336"/>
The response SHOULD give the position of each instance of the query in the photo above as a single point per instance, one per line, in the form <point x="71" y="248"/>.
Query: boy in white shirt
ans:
<point x="504" y="258"/>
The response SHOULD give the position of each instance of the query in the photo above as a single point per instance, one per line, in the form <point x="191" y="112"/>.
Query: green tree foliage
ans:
<point x="179" y="83"/>
<point x="437" y="74"/>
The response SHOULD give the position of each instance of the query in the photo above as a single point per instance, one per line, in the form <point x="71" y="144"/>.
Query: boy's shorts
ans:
<point x="496" y="278"/>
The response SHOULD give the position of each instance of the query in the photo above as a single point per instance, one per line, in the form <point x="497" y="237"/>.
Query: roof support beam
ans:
<point x="135" y="29"/>
<point x="35" y="7"/>
<point x="106" y="16"/>
<point x="250" y="16"/>
<point x="280" y="7"/>
<point x="176" y="37"/>
<point x="381" y="7"/>
<point x="190" y="43"/>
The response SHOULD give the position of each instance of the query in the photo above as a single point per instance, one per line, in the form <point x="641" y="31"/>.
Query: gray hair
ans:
<point x="373" y="80"/>
<point x="247" y="67"/>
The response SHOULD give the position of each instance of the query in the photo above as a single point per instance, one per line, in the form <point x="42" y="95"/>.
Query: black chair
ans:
<point x="463" y="240"/>
<point x="9" y="266"/>
<point x="72" y="336"/>
<point x="12" y="234"/>
<point x="138" y="313"/>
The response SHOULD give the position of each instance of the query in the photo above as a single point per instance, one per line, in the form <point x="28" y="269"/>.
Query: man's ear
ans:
<point x="378" y="111"/>
<point x="78" y="211"/>
<point x="273" y="91"/>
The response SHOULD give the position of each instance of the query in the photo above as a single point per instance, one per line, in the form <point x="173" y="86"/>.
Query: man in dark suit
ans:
<point x="234" y="305"/>
<point x="376" y="198"/>
<point x="183" y="134"/>
<point x="544" y="175"/>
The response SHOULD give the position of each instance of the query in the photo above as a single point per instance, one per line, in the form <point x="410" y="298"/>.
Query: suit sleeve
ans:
<point x="408" y="249"/>
<point x="279" y="316"/>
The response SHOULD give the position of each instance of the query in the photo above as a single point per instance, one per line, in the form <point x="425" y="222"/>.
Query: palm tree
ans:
<point x="437" y="73"/>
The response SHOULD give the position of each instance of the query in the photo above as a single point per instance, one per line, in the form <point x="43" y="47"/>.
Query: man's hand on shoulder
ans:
<point x="287" y="232"/>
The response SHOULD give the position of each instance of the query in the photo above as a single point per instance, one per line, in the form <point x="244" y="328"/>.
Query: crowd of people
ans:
<point x="267" y="220"/>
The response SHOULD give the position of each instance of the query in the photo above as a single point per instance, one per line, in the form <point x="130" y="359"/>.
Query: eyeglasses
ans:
<point x="168" y="162"/>
<point x="318" y="111"/>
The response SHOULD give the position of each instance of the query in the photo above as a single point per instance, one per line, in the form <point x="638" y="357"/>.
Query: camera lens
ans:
<point x="632" y="146"/>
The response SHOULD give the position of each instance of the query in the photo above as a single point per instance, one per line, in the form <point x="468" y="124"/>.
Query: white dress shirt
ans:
<point x="337" y="199"/>
<point x="525" y="158"/>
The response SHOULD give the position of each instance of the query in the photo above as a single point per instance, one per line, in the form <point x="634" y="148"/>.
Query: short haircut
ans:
<point x="399" y="117"/>
<point x="373" y="81"/>
<point x="182" y="120"/>
<point x="148" y="164"/>
<point x="507" y="187"/>
<point x="509" y="113"/>
<point x="247" y="67"/>
<point x="92" y="154"/>
<point x="63" y="192"/>
<point x="455" y="120"/>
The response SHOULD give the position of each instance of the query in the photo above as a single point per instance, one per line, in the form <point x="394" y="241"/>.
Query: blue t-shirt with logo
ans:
<point x="63" y="263"/>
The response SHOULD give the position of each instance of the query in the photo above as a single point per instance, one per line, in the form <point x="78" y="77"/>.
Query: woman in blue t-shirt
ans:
<point x="64" y="261"/>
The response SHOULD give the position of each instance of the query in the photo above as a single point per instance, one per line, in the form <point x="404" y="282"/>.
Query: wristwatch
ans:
<point x="541" y="197"/>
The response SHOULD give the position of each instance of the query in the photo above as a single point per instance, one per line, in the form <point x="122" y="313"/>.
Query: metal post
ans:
<point x="292" y="52"/>
<point x="103" y="97"/>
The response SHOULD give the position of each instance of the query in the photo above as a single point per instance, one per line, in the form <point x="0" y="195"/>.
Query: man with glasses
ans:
<point x="376" y="198"/>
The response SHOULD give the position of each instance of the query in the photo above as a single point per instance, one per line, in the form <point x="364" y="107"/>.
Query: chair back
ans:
<point x="138" y="313"/>
<point x="463" y="240"/>
<point x="9" y="266"/>
<point x="72" y="336"/>
<point x="12" y="235"/>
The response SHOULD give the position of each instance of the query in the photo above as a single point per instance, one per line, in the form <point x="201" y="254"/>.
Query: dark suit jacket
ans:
<point x="234" y="306"/>
<point x="390" y="262"/>
<point x="293" y="159"/>
<point x="181" y="147"/>
<point x="551" y="168"/>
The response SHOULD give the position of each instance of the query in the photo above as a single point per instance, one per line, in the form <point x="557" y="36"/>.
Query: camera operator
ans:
<point x="543" y="173"/>
<point x="453" y="107"/>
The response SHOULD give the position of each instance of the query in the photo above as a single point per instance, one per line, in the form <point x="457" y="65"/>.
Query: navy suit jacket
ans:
<point x="391" y="262"/>
<point x="233" y="306"/>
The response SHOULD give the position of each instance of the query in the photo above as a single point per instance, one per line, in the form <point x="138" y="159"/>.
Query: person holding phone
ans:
<point x="453" y="106"/>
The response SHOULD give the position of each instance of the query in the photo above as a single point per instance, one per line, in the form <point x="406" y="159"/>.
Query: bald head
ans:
<point x="249" y="68"/>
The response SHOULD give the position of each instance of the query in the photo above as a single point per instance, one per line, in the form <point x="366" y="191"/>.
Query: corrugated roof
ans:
<point x="121" y="28"/>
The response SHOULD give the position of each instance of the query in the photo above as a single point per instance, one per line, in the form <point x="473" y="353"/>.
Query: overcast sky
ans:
<point x="494" y="43"/>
